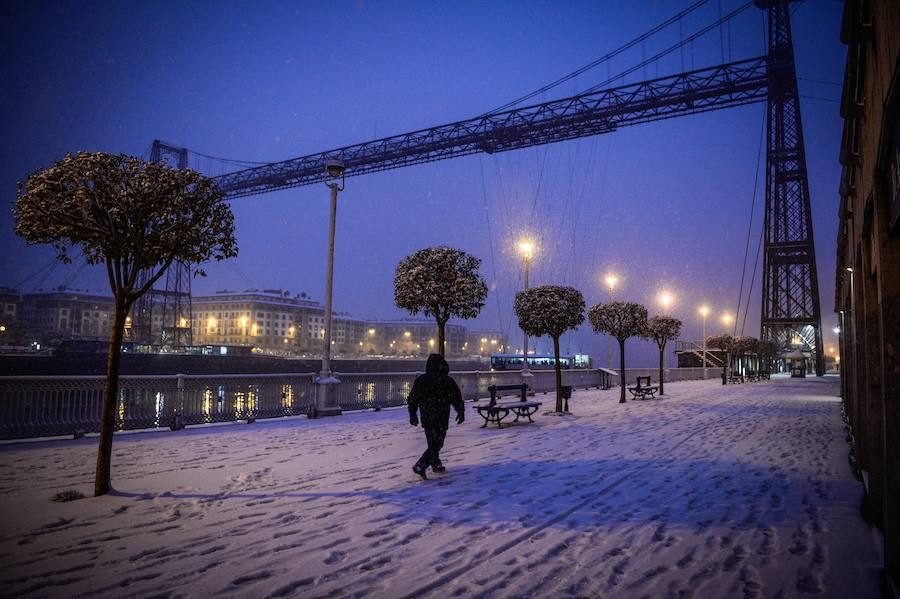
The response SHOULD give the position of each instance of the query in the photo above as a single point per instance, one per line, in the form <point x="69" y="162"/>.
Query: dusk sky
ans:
<point x="664" y="205"/>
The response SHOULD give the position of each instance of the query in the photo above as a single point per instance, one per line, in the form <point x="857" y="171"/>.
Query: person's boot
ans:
<point x="438" y="467"/>
<point x="420" y="470"/>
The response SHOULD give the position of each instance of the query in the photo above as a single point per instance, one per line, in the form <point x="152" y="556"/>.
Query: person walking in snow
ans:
<point x="432" y="395"/>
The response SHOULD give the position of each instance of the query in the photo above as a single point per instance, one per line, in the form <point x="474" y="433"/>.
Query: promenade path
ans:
<point x="713" y="491"/>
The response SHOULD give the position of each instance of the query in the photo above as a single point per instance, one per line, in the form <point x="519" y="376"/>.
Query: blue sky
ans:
<point x="665" y="205"/>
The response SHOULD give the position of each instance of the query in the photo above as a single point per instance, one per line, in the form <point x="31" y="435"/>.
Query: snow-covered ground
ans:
<point x="711" y="492"/>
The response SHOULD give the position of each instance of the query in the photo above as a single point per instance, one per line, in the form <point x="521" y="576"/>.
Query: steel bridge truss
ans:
<point x="724" y="86"/>
<point x="790" y="303"/>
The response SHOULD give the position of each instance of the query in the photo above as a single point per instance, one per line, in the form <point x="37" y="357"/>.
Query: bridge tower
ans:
<point x="163" y="317"/>
<point x="790" y="291"/>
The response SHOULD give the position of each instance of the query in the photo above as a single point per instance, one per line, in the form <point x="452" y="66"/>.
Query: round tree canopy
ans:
<point x="549" y="310"/>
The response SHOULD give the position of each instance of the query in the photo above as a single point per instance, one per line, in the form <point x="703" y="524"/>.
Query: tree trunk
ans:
<point x="559" y="399"/>
<point x="110" y="397"/>
<point x="441" y="324"/>
<point x="622" y="370"/>
<point x="662" y="353"/>
<point x="725" y="369"/>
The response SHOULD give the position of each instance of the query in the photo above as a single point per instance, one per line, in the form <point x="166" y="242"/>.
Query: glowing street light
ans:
<point x="611" y="280"/>
<point x="727" y="319"/>
<point x="527" y="249"/>
<point x="666" y="299"/>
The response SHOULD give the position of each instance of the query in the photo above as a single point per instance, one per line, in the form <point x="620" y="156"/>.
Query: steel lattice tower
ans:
<point x="162" y="317"/>
<point x="790" y="289"/>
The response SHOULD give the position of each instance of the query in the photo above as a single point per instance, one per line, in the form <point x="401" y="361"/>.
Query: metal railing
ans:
<point x="39" y="406"/>
<point x="43" y="406"/>
<point x="671" y="374"/>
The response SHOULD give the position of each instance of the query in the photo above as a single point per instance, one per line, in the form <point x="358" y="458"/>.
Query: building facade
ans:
<point x="486" y="342"/>
<point x="868" y="260"/>
<point x="68" y="313"/>
<point x="10" y="302"/>
<point x="412" y="337"/>
<point x="272" y="321"/>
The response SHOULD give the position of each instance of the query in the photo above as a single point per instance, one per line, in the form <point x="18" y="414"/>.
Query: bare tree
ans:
<point x="128" y="215"/>
<point x="550" y="310"/>
<point x="440" y="282"/>
<point x="662" y="329"/>
<point x="621" y="320"/>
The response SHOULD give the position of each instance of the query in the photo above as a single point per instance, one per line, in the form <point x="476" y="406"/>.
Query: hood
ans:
<point x="437" y="365"/>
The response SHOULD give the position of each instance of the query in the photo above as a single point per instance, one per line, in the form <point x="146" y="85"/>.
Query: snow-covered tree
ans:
<point x="621" y="320"/>
<point x="662" y="329"/>
<point x="130" y="216"/>
<point x="440" y="282"/>
<point x="723" y="343"/>
<point x="550" y="310"/>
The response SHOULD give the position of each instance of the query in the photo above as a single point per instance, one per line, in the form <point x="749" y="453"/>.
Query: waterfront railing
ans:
<point x="43" y="406"/>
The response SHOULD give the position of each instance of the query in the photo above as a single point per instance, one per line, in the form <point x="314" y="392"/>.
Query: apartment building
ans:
<point x="868" y="262"/>
<point x="274" y="321"/>
<point x="68" y="313"/>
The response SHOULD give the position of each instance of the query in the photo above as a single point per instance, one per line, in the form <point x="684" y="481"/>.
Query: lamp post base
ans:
<point x="326" y="400"/>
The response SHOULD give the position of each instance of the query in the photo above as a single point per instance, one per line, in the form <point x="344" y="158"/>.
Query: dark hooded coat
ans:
<point x="433" y="393"/>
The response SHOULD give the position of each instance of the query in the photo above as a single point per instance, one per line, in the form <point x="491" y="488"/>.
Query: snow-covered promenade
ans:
<point x="710" y="492"/>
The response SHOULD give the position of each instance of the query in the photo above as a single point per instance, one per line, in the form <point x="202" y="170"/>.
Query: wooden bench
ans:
<point x="496" y="412"/>
<point x="643" y="391"/>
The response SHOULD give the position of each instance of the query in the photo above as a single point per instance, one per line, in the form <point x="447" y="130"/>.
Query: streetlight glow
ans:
<point x="526" y="248"/>
<point x="727" y="318"/>
<point x="611" y="281"/>
<point x="666" y="299"/>
<point x="704" y="311"/>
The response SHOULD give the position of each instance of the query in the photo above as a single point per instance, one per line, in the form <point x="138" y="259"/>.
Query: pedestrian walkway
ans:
<point x="711" y="491"/>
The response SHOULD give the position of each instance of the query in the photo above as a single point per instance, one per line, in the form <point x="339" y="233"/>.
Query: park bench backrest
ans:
<point x="643" y="378"/>
<point x="522" y="389"/>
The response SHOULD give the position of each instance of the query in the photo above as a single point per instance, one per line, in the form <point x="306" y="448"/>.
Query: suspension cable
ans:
<point x="670" y="49"/>
<point x="606" y="57"/>
<point x="737" y="314"/>
<point x="753" y="276"/>
<point x="487" y="216"/>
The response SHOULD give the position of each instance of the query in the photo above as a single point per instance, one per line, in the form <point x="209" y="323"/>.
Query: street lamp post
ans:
<point x="611" y="281"/>
<point x="666" y="299"/>
<point x="726" y="320"/>
<point x="527" y="248"/>
<point x="325" y="382"/>
<point x="704" y="311"/>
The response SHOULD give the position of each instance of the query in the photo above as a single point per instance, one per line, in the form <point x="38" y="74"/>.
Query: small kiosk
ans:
<point x="797" y="361"/>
